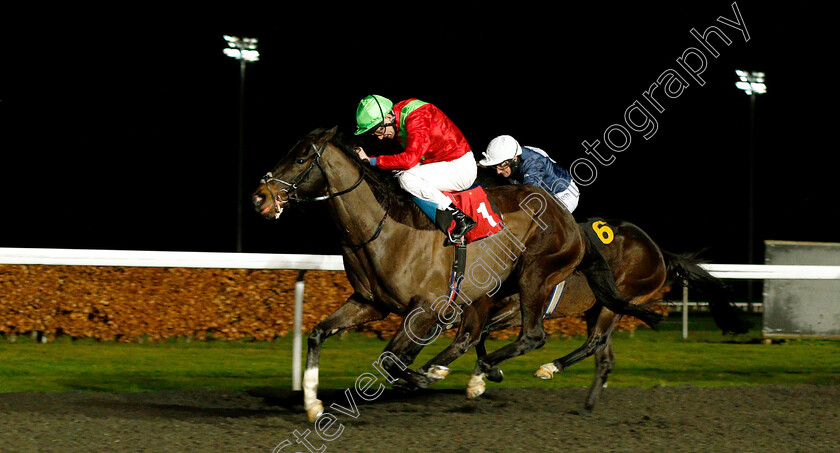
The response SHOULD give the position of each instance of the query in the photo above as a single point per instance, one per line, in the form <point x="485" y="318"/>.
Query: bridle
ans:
<point x="291" y="187"/>
<point x="292" y="196"/>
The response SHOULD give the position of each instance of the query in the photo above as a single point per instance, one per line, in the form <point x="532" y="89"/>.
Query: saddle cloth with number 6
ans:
<point x="599" y="230"/>
<point x="475" y="203"/>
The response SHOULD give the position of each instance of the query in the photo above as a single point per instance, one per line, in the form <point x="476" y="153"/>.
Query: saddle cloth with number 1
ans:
<point x="475" y="203"/>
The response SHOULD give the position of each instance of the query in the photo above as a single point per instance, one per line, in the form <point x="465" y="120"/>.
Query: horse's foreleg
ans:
<point x="419" y="328"/>
<point x="354" y="312"/>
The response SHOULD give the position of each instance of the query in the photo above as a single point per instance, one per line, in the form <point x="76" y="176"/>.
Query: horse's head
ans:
<point x="299" y="176"/>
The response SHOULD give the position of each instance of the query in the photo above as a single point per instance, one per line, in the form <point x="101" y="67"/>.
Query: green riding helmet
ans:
<point x="371" y="112"/>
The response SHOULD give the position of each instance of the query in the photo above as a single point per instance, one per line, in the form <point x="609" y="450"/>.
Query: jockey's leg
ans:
<point x="444" y="219"/>
<point x="426" y="181"/>
<point x="569" y="197"/>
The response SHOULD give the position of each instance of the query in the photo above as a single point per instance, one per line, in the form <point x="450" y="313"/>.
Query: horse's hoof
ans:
<point x="314" y="412"/>
<point x="402" y="385"/>
<point x="475" y="386"/>
<point x="474" y="391"/>
<point x="437" y="372"/>
<point x="546" y="371"/>
<point x="495" y="375"/>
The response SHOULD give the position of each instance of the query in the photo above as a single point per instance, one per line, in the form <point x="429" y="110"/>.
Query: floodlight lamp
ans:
<point x="242" y="48"/>
<point x="751" y="82"/>
<point x="250" y="55"/>
<point x="250" y="43"/>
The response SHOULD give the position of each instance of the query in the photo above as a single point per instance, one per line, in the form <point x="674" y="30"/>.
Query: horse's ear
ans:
<point x="324" y="135"/>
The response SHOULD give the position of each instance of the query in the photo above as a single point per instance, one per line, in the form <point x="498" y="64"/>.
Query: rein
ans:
<point x="292" y="197"/>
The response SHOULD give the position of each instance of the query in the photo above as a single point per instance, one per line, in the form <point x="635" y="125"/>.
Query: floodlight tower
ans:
<point x="751" y="83"/>
<point x="244" y="50"/>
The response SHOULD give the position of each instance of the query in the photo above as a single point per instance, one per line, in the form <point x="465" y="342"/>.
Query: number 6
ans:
<point x="604" y="232"/>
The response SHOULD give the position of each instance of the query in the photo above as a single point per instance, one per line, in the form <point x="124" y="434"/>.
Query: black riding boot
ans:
<point x="463" y="224"/>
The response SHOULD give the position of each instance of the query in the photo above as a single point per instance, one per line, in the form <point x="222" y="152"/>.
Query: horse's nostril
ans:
<point x="257" y="200"/>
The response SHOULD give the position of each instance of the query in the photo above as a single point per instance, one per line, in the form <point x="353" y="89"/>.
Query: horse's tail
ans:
<point x="727" y="317"/>
<point x="601" y="281"/>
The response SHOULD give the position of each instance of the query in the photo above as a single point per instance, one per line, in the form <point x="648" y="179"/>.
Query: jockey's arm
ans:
<point x="540" y="171"/>
<point x="416" y="144"/>
<point x="361" y="153"/>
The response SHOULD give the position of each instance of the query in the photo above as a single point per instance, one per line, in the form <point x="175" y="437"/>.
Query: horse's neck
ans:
<point x="357" y="213"/>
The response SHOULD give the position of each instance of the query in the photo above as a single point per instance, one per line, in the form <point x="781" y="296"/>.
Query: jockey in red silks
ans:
<point x="436" y="157"/>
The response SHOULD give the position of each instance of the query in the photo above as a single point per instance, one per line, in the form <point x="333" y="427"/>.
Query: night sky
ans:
<point x="120" y="132"/>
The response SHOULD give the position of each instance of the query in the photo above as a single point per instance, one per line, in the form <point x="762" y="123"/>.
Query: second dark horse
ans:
<point x="643" y="273"/>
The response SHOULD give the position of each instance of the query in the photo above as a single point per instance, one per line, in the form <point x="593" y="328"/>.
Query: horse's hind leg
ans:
<point x="604" y="363"/>
<point x="476" y="385"/>
<point x="534" y="291"/>
<point x="493" y="374"/>
<point x="469" y="335"/>
<point x="603" y="321"/>
<point x="532" y="336"/>
<point x="506" y="318"/>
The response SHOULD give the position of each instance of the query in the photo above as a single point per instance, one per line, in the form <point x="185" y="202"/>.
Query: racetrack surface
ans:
<point x="683" y="418"/>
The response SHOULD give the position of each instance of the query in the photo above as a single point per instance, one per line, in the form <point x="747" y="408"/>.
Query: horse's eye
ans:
<point x="300" y="161"/>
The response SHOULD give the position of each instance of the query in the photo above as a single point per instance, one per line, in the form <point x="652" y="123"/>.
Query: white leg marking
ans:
<point x="311" y="403"/>
<point x="476" y="386"/>
<point x="437" y="372"/>
<point x="546" y="371"/>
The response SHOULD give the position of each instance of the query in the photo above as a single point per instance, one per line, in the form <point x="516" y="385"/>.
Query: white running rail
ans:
<point x="130" y="258"/>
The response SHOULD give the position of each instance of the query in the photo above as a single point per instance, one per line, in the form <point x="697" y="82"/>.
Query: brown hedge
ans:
<point x="153" y="304"/>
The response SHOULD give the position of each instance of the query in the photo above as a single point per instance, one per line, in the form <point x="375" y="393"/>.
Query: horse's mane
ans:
<point x="385" y="187"/>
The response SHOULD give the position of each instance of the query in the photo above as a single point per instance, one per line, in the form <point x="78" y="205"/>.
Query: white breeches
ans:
<point x="569" y="197"/>
<point x="425" y="181"/>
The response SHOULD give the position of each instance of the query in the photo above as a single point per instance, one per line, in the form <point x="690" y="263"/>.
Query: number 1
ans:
<point x="482" y="209"/>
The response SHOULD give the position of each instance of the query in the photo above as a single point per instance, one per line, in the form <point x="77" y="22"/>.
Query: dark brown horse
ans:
<point x="642" y="272"/>
<point x="396" y="261"/>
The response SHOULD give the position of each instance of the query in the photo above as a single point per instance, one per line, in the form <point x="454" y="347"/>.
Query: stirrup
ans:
<point x="451" y="241"/>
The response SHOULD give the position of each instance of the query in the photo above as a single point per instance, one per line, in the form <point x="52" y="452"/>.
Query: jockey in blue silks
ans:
<point x="530" y="165"/>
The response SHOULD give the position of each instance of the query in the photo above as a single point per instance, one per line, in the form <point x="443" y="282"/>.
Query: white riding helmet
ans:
<point x="500" y="149"/>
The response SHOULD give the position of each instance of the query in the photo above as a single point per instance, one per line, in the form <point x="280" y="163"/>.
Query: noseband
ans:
<point x="292" y="197"/>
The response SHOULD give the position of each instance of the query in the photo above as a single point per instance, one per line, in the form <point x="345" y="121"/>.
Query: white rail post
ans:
<point x="685" y="310"/>
<point x="297" y="340"/>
